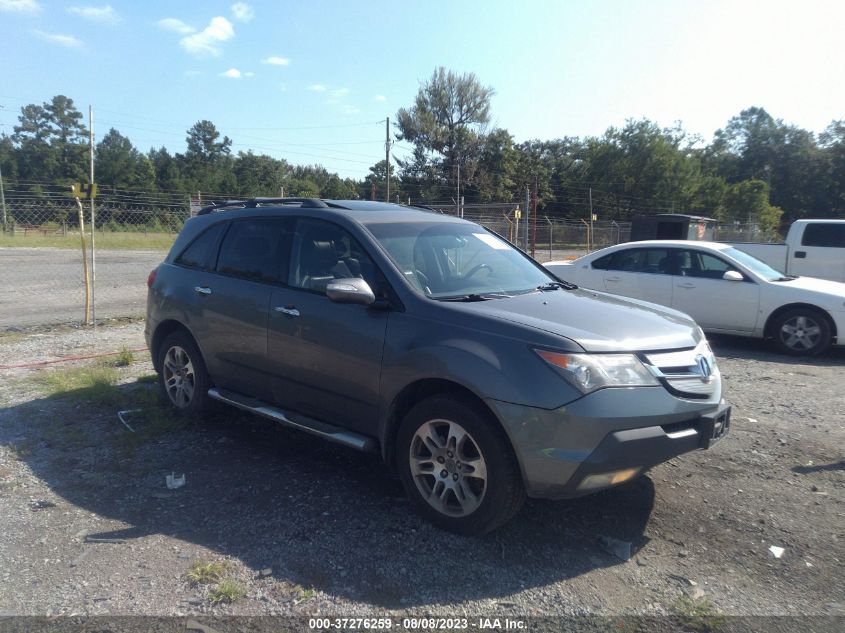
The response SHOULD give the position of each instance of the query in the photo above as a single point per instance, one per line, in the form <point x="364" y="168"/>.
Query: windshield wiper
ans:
<point x="554" y="285"/>
<point x="786" y="278"/>
<point x="474" y="297"/>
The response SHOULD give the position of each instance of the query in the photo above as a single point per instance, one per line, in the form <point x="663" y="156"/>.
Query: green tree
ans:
<point x="446" y="124"/>
<point x="207" y="164"/>
<point x="119" y="164"/>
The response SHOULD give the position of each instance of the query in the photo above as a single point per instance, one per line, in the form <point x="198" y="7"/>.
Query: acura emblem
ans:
<point x="705" y="367"/>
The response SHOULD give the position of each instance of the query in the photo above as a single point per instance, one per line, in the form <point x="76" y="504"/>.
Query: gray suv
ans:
<point x="476" y="373"/>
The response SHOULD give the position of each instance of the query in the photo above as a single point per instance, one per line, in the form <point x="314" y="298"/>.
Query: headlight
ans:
<point x="589" y="372"/>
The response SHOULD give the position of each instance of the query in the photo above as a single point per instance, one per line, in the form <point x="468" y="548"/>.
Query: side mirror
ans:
<point x="732" y="275"/>
<point x="352" y="290"/>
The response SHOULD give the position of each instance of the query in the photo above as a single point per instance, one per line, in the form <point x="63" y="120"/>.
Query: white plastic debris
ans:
<point x="776" y="551"/>
<point x="125" y="412"/>
<point x="174" y="482"/>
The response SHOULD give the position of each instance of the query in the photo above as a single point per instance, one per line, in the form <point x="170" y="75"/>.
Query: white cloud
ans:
<point x="380" y="98"/>
<point x="350" y="110"/>
<point x="234" y="73"/>
<point x="68" y="41"/>
<point x="20" y="6"/>
<point x="206" y="42"/>
<point x="318" y="87"/>
<point x="340" y="92"/>
<point x="177" y="26"/>
<point x="276" y="61"/>
<point x="103" y="15"/>
<point x="242" y="12"/>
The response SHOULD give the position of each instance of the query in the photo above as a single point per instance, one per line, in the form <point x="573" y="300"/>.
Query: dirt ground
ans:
<point x="286" y="524"/>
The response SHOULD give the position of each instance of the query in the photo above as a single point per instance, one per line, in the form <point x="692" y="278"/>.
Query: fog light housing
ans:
<point x="606" y="480"/>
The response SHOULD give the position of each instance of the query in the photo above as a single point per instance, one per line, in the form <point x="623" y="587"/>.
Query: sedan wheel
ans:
<point x="802" y="333"/>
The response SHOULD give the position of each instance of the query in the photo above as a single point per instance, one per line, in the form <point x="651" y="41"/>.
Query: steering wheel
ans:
<point x="476" y="268"/>
<point x="423" y="280"/>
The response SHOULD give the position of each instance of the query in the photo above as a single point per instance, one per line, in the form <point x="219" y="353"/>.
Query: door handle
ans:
<point x="686" y="285"/>
<point x="202" y="290"/>
<point x="288" y="310"/>
<point x="612" y="278"/>
<point x="800" y="254"/>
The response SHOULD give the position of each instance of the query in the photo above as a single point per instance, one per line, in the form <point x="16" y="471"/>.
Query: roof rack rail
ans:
<point x="251" y="203"/>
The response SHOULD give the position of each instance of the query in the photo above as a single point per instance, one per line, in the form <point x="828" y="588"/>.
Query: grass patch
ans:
<point x="124" y="358"/>
<point x="92" y="383"/>
<point x="201" y="573"/>
<point x="306" y="594"/>
<point x="227" y="591"/>
<point x="105" y="241"/>
<point x="697" y="614"/>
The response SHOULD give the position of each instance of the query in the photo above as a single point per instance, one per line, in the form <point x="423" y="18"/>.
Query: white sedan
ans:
<point x="723" y="289"/>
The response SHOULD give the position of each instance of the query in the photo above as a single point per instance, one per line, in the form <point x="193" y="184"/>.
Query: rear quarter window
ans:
<point x="828" y="234"/>
<point x="202" y="252"/>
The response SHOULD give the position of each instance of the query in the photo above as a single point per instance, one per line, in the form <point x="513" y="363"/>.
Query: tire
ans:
<point x="183" y="379"/>
<point x="470" y="486"/>
<point x="802" y="332"/>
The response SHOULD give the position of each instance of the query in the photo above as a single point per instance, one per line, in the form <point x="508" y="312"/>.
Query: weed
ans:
<point x="227" y="591"/>
<point x="697" y="614"/>
<point x="20" y="451"/>
<point x="201" y="573"/>
<point x="124" y="358"/>
<point x="306" y="594"/>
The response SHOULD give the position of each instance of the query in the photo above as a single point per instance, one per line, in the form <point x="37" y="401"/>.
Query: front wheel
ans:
<point x="457" y="466"/>
<point x="802" y="332"/>
<point x="183" y="379"/>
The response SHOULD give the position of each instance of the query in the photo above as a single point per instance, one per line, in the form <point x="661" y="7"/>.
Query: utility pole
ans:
<point x="590" y="236"/>
<point x="458" y="196"/>
<point x="2" y="199"/>
<point x="93" y="217"/>
<point x="527" y="214"/>
<point x="387" y="157"/>
<point x="3" y="196"/>
<point x="534" y="217"/>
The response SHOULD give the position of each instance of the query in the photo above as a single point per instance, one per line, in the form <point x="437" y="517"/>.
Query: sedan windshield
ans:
<point x="452" y="261"/>
<point x="754" y="265"/>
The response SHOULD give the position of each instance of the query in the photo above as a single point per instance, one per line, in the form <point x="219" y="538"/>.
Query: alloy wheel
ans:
<point x="179" y="378"/>
<point x="800" y="333"/>
<point x="448" y="468"/>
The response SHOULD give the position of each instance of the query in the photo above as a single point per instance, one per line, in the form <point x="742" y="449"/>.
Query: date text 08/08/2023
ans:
<point x="421" y="623"/>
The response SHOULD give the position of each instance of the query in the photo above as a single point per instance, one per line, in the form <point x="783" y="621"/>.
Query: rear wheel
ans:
<point x="802" y="332"/>
<point x="183" y="379"/>
<point x="457" y="466"/>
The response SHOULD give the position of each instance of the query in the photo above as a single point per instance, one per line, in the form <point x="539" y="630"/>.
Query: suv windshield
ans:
<point x="450" y="260"/>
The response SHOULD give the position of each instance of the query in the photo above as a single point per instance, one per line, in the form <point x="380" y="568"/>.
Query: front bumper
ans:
<point x="566" y="452"/>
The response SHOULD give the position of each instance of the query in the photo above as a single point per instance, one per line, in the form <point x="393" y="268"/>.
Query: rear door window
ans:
<point x="257" y="249"/>
<point x="640" y="260"/>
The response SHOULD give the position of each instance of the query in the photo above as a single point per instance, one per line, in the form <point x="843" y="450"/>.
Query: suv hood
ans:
<point x="598" y="322"/>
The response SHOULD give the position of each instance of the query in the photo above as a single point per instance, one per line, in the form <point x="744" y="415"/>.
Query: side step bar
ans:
<point x="326" y="431"/>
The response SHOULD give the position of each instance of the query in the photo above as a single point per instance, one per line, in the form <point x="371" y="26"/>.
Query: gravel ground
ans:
<point x="89" y="527"/>
<point x="40" y="286"/>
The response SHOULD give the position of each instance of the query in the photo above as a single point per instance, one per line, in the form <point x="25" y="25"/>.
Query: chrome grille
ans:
<point x="691" y="372"/>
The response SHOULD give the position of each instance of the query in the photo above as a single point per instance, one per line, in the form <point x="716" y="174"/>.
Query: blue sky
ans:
<point x="309" y="81"/>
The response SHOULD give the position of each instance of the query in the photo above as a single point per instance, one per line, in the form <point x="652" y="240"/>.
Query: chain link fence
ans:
<point x="41" y="272"/>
